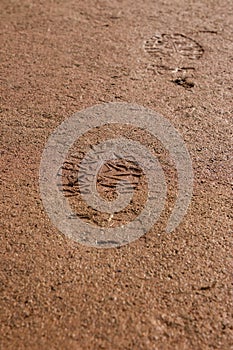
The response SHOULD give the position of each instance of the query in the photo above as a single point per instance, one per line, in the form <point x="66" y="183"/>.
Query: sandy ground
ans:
<point x="161" y="291"/>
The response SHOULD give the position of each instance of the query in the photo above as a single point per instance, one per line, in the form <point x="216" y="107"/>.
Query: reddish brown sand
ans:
<point x="163" y="291"/>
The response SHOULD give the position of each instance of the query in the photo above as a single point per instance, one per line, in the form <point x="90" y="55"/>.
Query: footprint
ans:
<point x="173" y="51"/>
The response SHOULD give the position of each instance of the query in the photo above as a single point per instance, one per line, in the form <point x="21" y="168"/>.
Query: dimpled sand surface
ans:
<point x="162" y="291"/>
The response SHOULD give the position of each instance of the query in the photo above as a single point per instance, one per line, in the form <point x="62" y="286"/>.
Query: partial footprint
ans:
<point x="173" y="51"/>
